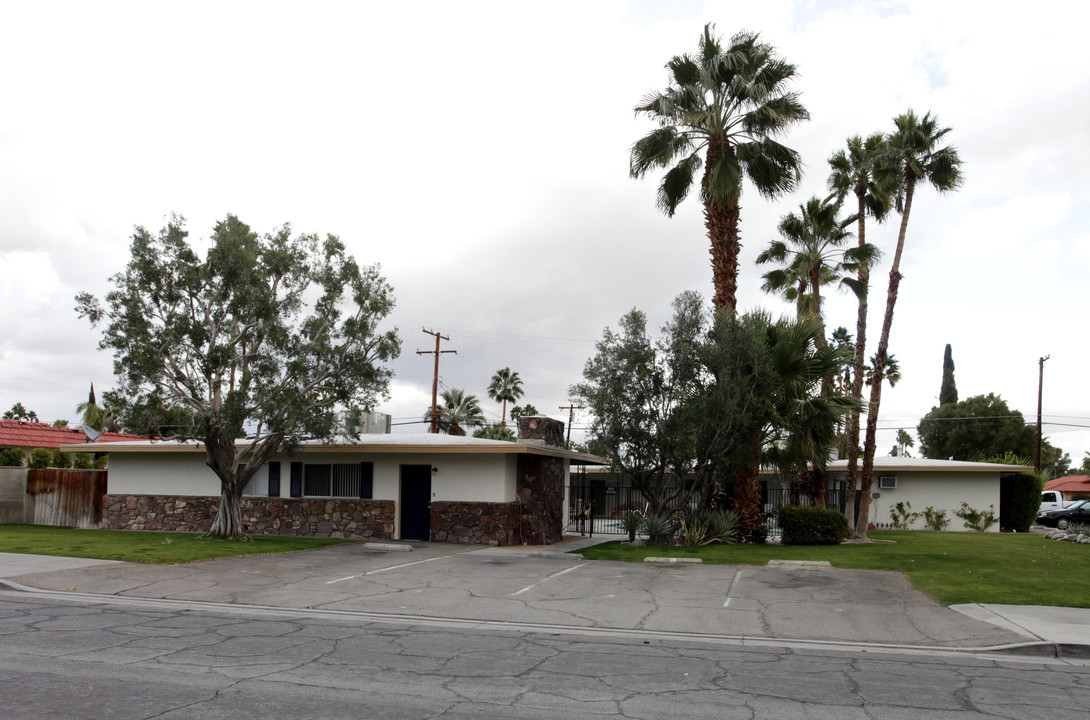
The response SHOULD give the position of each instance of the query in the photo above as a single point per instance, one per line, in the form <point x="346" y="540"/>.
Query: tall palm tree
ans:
<point x="812" y="250"/>
<point x="721" y="112"/>
<point x="862" y="170"/>
<point x="456" y="410"/>
<point x="915" y="147"/>
<point x="505" y="386"/>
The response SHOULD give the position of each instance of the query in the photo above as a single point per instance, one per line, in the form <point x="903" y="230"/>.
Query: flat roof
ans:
<point x="426" y="443"/>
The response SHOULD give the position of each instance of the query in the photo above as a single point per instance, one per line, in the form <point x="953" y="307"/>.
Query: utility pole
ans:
<point x="571" y="418"/>
<point x="435" y="383"/>
<point x="1040" y="387"/>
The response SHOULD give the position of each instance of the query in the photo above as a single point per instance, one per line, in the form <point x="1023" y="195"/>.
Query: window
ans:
<point x="334" y="480"/>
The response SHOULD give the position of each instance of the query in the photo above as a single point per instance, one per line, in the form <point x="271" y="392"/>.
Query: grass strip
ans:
<point x="950" y="567"/>
<point x="160" y="548"/>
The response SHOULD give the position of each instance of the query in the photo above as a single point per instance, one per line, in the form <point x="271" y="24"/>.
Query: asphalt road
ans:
<point x="128" y="659"/>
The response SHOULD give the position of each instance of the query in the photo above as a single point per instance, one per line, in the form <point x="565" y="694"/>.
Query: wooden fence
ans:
<point x="65" y="498"/>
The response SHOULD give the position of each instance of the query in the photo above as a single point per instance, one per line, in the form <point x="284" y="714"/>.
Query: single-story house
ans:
<point x="418" y="487"/>
<point x="921" y="482"/>
<point x="1071" y="487"/>
<point x="27" y="435"/>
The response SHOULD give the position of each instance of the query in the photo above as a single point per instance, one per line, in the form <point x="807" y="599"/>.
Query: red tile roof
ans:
<point x="24" y="434"/>
<point x="1071" y="483"/>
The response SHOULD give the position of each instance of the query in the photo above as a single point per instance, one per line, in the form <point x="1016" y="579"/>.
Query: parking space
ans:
<point x="517" y="586"/>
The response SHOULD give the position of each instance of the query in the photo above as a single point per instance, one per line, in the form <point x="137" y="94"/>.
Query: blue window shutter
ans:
<point x="274" y="479"/>
<point x="297" y="479"/>
<point x="367" y="480"/>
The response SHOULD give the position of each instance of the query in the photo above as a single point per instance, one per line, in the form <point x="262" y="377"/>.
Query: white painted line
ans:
<point x="372" y="572"/>
<point x="547" y="577"/>
<point x="730" y="590"/>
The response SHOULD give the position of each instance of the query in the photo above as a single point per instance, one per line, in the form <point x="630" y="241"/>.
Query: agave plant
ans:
<point x="660" y="528"/>
<point x="631" y="522"/>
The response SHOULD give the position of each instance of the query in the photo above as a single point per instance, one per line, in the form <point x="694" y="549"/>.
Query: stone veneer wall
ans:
<point x="310" y="517"/>
<point x="541" y="489"/>
<point x="475" y="523"/>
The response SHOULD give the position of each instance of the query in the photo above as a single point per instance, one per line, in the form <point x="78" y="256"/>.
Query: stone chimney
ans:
<point x="548" y="430"/>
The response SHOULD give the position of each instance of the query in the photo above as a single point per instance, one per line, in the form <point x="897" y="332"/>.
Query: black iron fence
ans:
<point x="596" y="509"/>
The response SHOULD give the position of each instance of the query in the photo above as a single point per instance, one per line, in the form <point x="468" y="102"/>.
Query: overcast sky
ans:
<point x="479" y="153"/>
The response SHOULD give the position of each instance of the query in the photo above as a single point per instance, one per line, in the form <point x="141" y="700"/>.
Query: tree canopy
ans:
<point x="261" y="341"/>
<point x="977" y="428"/>
<point x="18" y="412"/>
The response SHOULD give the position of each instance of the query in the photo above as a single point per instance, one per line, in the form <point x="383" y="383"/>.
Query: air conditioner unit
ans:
<point x="889" y="482"/>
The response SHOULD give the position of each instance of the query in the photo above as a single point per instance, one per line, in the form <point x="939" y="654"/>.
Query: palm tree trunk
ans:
<point x="721" y="221"/>
<point x="880" y="365"/>
<point x="857" y="379"/>
<point x="747" y="497"/>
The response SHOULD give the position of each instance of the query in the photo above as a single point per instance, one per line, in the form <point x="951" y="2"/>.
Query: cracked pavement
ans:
<point x="72" y="658"/>
<point x="503" y="585"/>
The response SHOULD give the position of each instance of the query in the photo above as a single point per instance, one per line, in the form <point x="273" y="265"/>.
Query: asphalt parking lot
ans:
<point x="552" y="588"/>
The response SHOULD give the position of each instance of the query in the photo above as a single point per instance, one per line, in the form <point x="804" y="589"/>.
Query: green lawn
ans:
<point x="951" y="567"/>
<point x="142" y="547"/>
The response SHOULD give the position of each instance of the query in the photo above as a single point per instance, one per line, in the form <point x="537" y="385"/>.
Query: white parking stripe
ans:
<point x="392" y="567"/>
<point x="548" y="577"/>
<point x="731" y="588"/>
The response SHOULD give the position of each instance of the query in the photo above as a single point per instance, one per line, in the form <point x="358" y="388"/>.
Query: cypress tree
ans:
<point x="948" y="393"/>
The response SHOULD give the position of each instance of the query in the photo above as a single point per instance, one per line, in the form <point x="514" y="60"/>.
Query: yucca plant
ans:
<point x="631" y="522"/>
<point x="660" y="528"/>
<point x="723" y="527"/>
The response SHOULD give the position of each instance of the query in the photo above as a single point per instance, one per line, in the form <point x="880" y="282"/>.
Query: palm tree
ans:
<point x="521" y="411"/>
<point x="861" y="170"/>
<point x="456" y="410"/>
<point x="915" y="148"/>
<point x="505" y="386"/>
<point x="721" y="112"/>
<point x="812" y="252"/>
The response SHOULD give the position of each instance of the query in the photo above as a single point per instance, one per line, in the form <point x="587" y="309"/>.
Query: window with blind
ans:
<point x="333" y="480"/>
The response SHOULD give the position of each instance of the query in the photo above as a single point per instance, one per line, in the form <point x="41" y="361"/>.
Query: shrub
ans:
<point x="902" y="516"/>
<point x="723" y="527"/>
<point x="979" y="520"/>
<point x="12" y="457"/>
<point x="1019" y="501"/>
<point x="660" y="528"/>
<point x="102" y="461"/>
<point x="935" y="519"/>
<point x="83" y="461"/>
<point x="812" y="525"/>
<point x="40" y="458"/>
<point x="631" y="522"/>
<point x="60" y="459"/>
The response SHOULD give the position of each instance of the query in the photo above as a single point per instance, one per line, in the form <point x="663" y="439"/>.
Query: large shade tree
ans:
<point x="863" y="169"/>
<point x="719" y="117"/>
<point x="261" y="340"/>
<point x="916" y="149"/>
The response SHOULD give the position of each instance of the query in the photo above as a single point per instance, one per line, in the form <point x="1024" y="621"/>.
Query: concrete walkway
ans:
<point x="551" y="588"/>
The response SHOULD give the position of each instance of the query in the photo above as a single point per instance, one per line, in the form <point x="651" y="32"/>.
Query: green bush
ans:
<point x="812" y="525"/>
<point x="979" y="520"/>
<point x="1019" y="501"/>
<point x="12" y="457"/>
<point x="102" y="461"/>
<point x="40" y="458"/>
<point x="83" y="461"/>
<point x="660" y="528"/>
<point x="60" y="459"/>
<point x="704" y="527"/>
<point x="935" y="519"/>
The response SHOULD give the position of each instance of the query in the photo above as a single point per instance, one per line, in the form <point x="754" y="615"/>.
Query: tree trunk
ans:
<point x="721" y="221"/>
<point x="747" y="498"/>
<point x="860" y="359"/>
<point x="880" y="366"/>
<point x="228" y="522"/>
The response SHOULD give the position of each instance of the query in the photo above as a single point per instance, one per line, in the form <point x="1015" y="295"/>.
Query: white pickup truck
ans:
<point x="1053" y="500"/>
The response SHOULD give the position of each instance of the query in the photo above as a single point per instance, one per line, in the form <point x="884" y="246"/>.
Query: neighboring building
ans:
<point x="1072" y="487"/>
<point x="410" y="487"/>
<point x="29" y="435"/>
<point x="920" y="482"/>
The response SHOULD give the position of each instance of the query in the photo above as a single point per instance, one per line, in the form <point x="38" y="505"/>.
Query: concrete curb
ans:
<point x="1028" y="649"/>
<point x="388" y="546"/>
<point x="672" y="560"/>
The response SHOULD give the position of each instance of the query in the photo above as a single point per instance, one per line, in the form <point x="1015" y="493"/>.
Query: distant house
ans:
<point x="1072" y="487"/>
<point x="922" y="483"/>
<point x="28" y="435"/>
<point x="410" y="487"/>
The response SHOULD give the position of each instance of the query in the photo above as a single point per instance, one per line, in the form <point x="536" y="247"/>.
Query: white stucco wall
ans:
<point x="940" y="490"/>
<point x="459" y="477"/>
